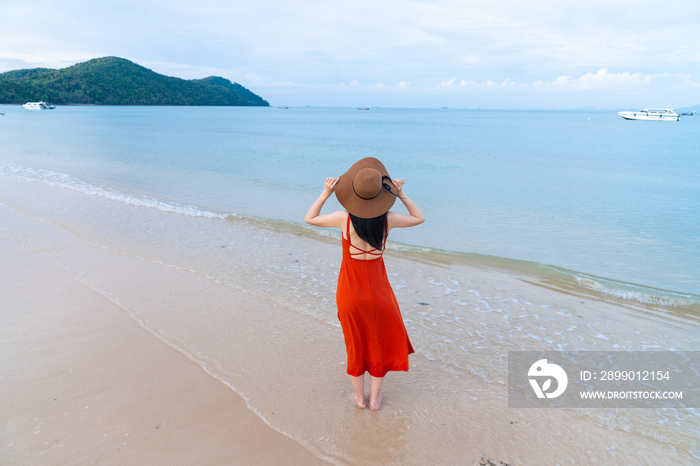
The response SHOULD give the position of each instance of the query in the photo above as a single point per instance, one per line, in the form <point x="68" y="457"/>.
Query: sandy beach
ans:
<point x="108" y="356"/>
<point x="83" y="383"/>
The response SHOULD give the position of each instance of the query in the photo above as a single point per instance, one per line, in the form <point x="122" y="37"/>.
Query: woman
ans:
<point x="375" y="336"/>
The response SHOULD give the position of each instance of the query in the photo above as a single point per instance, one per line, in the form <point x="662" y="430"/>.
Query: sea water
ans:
<point x="587" y="192"/>
<point x="600" y="212"/>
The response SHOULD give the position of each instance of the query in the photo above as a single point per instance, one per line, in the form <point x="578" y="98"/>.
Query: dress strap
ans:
<point x="347" y="227"/>
<point x="371" y="253"/>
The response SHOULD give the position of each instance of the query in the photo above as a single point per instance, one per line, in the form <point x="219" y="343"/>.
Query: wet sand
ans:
<point x="203" y="362"/>
<point x="81" y="383"/>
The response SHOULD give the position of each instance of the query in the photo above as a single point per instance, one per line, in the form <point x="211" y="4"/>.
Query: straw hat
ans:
<point x="366" y="190"/>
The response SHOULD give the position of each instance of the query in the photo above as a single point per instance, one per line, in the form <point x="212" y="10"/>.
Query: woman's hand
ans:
<point x="398" y="183"/>
<point x="329" y="187"/>
<point x="414" y="217"/>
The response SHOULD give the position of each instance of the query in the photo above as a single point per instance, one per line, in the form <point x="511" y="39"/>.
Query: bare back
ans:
<point x="359" y="248"/>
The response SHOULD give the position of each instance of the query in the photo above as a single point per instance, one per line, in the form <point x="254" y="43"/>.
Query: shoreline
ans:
<point x="568" y="280"/>
<point x="269" y="354"/>
<point x="82" y="382"/>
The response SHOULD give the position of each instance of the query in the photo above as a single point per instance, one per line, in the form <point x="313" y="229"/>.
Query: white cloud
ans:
<point x="690" y="84"/>
<point x="451" y="45"/>
<point x="605" y="81"/>
<point x="469" y="59"/>
<point x="560" y="81"/>
<point x="464" y="84"/>
<point x="258" y="81"/>
<point x="47" y="60"/>
<point x="602" y="80"/>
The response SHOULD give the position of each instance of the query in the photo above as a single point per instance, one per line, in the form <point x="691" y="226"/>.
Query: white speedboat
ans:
<point x="653" y="114"/>
<point x="41" y="105"/>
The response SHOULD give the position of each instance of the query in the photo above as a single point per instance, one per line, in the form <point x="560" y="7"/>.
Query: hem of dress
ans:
<point x="374" y="375"/>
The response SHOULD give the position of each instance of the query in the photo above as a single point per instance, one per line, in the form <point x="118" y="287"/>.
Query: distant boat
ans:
<point x="41" y="105"/>
<point x="362" y="108"/>
<point x="651" y="114"/>
<point x="284" y="108"/>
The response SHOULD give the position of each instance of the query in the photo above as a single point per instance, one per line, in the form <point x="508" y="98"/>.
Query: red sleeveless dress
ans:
<point x="375" y="335"/>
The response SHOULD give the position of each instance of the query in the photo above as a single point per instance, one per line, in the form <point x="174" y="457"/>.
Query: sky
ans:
<point x="459" y="54"/>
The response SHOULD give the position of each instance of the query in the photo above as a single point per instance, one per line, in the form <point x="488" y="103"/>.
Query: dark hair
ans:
<point x="371" y="230"/>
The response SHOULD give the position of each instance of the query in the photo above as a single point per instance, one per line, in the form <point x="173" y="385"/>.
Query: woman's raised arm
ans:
<point x="314" y="217"/>
<point x="414" y="217"/>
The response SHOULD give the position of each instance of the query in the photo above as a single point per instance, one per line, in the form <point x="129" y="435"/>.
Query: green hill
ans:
<point x="116" y="81"/>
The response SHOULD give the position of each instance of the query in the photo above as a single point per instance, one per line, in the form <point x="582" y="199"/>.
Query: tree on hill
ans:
<point x="116" y="81"/>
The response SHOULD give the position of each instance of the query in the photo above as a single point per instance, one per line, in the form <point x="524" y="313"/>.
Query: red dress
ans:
<point x="375" y="335"/>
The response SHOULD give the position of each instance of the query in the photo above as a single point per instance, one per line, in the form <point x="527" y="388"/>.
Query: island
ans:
<point x="117" y="81"/>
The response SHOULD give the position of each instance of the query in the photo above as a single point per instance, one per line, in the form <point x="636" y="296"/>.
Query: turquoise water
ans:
<point x="160" y="187"/>
<point x="589" y="192"/>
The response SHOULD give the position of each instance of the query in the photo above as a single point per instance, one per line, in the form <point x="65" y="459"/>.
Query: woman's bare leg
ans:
<point x="375" y="396"/>
<point x="358" y="384"/>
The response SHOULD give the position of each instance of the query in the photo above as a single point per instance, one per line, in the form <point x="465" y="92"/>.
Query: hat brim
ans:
<point x="364" y="208"/>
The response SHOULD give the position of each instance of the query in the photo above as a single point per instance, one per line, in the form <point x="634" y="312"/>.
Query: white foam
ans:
<point x="63" y="180"/>
<point x="640" y="294"/>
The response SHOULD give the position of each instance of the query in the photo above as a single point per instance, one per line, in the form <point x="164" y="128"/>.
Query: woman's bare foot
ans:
<point x="378" y="405"/>
<point x="355" y="402"/>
